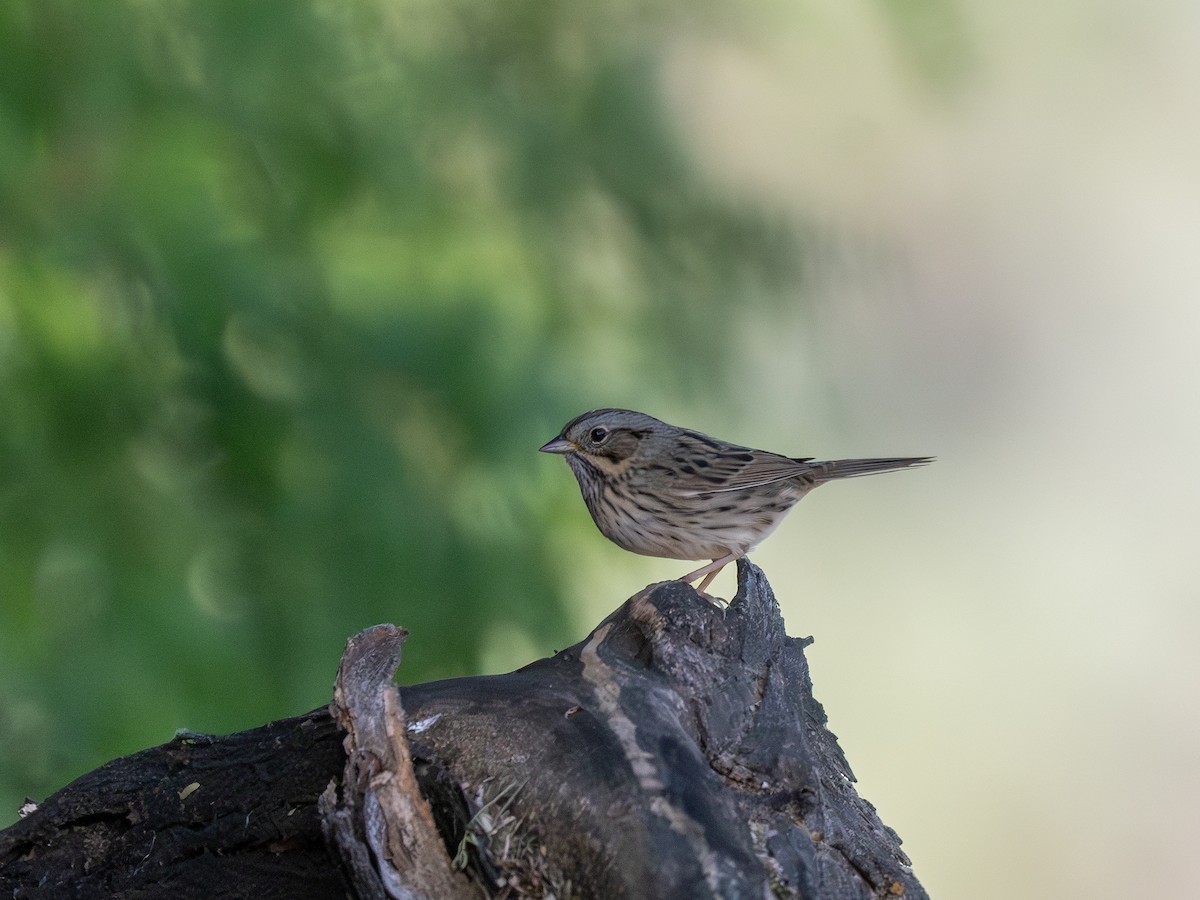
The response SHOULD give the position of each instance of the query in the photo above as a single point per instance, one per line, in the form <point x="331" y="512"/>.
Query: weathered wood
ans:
<point x="137" y="828"/>
<point x="676" y="752"/>
<point x="377" y="819"/>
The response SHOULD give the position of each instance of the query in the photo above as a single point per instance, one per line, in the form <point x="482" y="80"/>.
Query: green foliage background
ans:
<point x="290" y="292"/>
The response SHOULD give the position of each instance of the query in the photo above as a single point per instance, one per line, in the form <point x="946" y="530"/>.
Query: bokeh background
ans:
<point x="290" y="292"/>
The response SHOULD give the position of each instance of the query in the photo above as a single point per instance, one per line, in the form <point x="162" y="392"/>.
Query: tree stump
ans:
<point x="676" y="752"/>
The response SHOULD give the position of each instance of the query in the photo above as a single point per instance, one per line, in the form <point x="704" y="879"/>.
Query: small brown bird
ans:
<point x="660" y="490"/>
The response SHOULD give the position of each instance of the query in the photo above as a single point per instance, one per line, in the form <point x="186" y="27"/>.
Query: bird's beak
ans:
<point x="559" y="445"/>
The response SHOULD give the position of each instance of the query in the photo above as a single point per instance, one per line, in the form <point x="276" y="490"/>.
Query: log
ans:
<point x="677" y="751"/>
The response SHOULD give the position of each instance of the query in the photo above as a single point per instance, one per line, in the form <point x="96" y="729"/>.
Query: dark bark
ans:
<point x="676" y="752"/>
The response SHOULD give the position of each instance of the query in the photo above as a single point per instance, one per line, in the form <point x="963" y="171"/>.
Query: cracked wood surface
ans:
<point x="677" y="751"/>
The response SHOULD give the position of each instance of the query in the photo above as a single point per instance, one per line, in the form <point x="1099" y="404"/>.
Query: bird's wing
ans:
<point x="729" y="468"/>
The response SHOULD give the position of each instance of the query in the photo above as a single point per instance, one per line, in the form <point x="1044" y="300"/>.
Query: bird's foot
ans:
<point x="708" y="573"/>
<point x="719" y="602"/>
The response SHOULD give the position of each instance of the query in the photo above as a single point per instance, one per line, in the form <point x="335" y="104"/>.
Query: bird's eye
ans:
<point x="598" y="435"/>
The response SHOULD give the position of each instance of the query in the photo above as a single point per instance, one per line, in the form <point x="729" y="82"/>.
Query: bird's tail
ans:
<point x="833" y="469"/>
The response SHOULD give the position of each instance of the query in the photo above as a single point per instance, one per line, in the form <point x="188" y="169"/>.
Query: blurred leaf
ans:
<point x="290" y="292"/>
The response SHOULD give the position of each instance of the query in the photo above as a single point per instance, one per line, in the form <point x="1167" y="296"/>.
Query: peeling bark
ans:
<point x="381" y="824"/>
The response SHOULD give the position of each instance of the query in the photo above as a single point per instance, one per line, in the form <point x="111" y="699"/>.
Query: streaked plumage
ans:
<point x="660" y="490"/>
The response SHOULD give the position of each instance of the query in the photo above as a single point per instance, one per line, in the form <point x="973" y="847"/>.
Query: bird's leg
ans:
<point x="700" y="588"/>
<point x="709" y="571"/>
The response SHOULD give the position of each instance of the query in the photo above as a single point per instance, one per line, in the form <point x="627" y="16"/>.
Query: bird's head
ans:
<point x="609" y="438"/>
